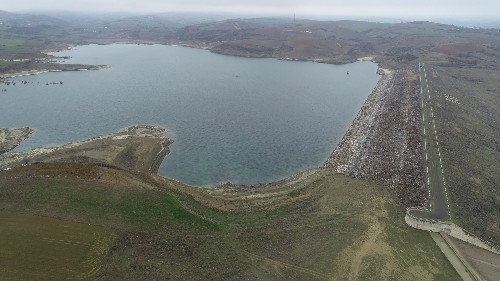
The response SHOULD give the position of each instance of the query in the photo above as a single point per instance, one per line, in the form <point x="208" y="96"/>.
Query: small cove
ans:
<point x="232" y="119"/>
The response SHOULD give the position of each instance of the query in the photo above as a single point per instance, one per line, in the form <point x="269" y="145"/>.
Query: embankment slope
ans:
<point x="383" y="143"/>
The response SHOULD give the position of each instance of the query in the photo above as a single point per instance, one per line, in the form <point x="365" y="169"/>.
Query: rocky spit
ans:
<point x="14" y="159"/>
<point x="384" y="143"/>
<point x="10" y="138"/>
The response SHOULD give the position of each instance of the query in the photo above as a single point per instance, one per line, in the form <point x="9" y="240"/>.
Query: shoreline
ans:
<point x="63" y="68"/>
<point x="49" y="63"/>
<point x="151" y="135"/>
<point x="36" y="152"/>
<point x="41" y="151"/>
<point x="10" y="138"/>
<point x="59" y="67"/>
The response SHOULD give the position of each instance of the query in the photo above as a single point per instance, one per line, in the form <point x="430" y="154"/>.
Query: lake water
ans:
<point x="232" y="119"/>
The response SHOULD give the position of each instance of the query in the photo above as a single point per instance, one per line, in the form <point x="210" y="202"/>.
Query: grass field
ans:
<point x="359" y="26"/>
<point x="467" y="118"/>
<point x="42" y="248"/>
<point x="4" y="63"/>
<point x="11" y="45"/>
<point x="317" y="226"/>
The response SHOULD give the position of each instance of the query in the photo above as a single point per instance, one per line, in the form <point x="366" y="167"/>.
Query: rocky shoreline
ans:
<point x="11" y="138"/>
<point x="35" y="70"/>
<point x="73" y="151"/>
<point x="383" y="143"/>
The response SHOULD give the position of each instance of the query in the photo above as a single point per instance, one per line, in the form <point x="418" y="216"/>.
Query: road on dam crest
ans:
<point x="433" y="163"/>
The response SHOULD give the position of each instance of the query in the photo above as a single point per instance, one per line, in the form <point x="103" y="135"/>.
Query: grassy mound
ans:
<point x="316" y="226"/>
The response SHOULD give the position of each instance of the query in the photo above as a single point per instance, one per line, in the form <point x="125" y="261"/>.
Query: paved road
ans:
<point x="462" y="269"/>
<point x="433" y="164"/>
<point x="471" y="262"/>
<point x="484" y="264"/>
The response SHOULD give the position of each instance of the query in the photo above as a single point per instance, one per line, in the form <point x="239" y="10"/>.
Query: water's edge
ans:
<point x="344" y="131"/>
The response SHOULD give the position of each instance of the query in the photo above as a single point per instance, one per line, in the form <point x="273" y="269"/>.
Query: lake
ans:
<point x="234" y="119"/>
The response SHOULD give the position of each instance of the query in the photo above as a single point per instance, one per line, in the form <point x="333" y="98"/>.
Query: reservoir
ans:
<point x="234" y="119"/>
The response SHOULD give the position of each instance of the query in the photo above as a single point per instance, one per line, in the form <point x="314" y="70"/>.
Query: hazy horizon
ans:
<point x="425" y="9"/>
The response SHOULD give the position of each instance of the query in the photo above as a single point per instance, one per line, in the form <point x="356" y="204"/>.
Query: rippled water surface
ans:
<point x="233" y="119"/>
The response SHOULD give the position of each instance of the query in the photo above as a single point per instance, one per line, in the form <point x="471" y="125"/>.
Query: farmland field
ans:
<point x="42" y="248"/>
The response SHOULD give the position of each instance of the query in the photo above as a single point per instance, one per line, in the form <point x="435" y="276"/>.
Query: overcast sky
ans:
<point x="420" y="9"/>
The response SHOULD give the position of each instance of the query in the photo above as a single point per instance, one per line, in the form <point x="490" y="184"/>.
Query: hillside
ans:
<point x="345" y="41"/>
<point x="309" y="227"/>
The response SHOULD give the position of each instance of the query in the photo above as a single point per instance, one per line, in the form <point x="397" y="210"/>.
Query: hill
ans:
<point x="309" y="227"/>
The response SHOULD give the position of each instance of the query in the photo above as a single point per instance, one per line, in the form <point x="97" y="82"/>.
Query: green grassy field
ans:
<point x="11" y="45"/>
<point x="42" y="248"/>
<point x="359" y="26"/>
<point x="322" y="226"/>
<point x="4" y="63"/>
